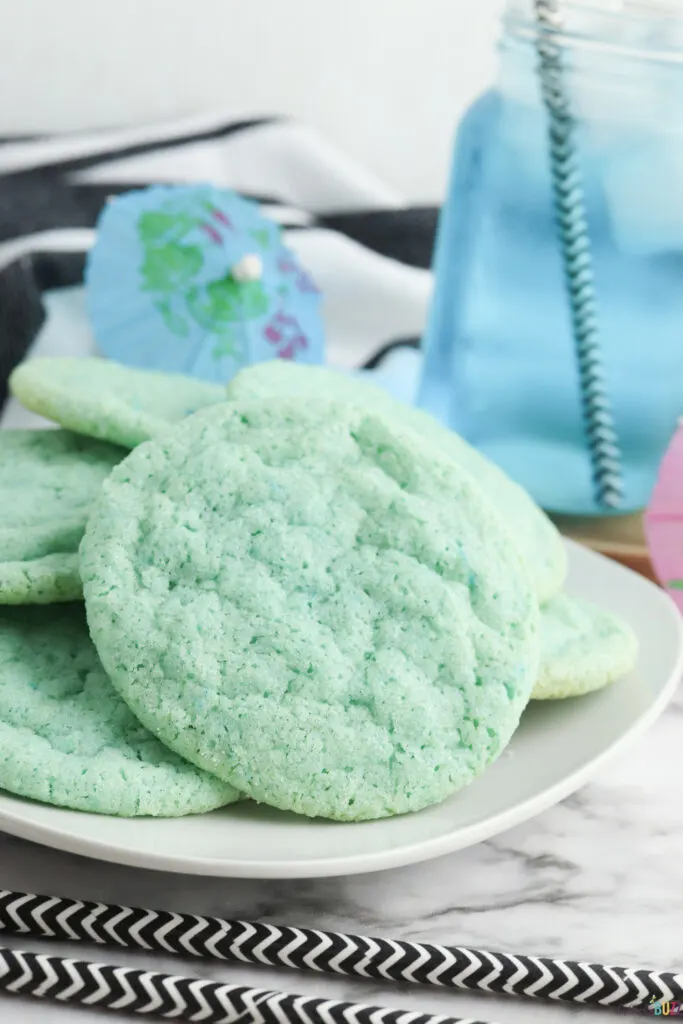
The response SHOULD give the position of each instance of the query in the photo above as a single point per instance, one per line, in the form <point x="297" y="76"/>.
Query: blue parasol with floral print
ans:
<point x="193" y="279"/>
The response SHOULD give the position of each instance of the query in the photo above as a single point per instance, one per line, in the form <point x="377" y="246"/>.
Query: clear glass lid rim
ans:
<point x="649" y="30"/>
<point x="636" y="9"/>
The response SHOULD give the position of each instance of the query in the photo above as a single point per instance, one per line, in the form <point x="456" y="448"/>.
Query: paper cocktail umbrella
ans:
<point x="193" y="279"/>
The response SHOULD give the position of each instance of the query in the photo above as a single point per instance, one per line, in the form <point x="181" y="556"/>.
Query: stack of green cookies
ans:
<point x="300" y="591"/>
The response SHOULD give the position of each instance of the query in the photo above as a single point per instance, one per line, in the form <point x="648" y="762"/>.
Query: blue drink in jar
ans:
<point x="500" y="362"/>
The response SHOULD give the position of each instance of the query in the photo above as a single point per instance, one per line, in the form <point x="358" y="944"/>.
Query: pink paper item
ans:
<point x="664" y="521"/>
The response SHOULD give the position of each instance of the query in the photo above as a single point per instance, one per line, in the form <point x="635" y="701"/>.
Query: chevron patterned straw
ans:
<point x="127" y="989"/>
<point x="576" y="255"/>
<point x="306" y="949"/>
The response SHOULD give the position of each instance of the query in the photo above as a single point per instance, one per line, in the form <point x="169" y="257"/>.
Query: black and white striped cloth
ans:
<point x="368" y="250"/>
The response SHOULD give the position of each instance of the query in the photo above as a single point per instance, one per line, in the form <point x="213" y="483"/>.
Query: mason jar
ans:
<point x="500" y="362"/>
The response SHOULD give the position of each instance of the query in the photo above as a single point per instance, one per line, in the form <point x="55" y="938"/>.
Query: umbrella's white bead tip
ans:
<point x="249" y="268"/>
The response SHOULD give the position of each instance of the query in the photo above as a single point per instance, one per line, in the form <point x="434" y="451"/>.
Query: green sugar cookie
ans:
<point x="104" y="399"/>
<point x="46" y="580"/>
<point x="48" y="480"/>
<point x="67" y="738"/>
<point x="536" y="536"/>
<point x="312" y="605"/>
<point x="583" y="648"/>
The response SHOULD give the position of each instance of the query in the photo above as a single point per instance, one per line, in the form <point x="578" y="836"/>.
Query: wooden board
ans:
<point x="619" y="537"/>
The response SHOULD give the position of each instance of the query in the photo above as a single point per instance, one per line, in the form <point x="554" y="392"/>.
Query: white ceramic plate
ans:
<point x="557" y="747"/>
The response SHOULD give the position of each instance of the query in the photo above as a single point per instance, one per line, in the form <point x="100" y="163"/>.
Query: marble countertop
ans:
<point x="598" y="877"/>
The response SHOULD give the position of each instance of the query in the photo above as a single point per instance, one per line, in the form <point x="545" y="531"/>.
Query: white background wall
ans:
<point x="384" y="79"/>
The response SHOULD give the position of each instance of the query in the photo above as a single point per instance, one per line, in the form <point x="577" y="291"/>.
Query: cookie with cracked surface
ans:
<point x="51" y="579"/>
<point x="583" y="648"/>
<point x="107" y="400"/>
<point x="313" y="605"/>
<point x="67" y="738"/>
<point x="537" y="537"/>
<point x="48" y="480"/>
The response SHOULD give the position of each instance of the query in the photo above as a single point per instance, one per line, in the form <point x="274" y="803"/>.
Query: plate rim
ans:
<point x="366" y="863"/>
